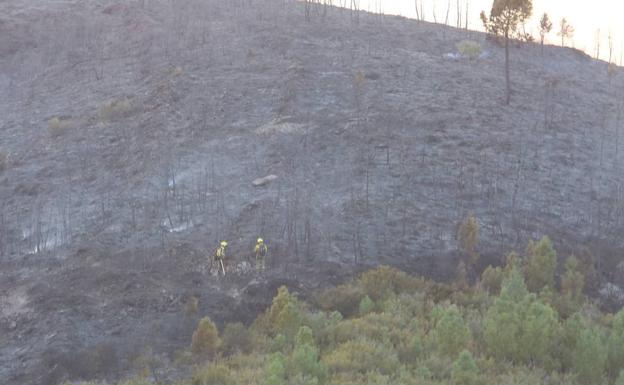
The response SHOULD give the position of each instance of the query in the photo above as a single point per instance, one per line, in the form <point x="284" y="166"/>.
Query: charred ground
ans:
<point x="133" y="131"/>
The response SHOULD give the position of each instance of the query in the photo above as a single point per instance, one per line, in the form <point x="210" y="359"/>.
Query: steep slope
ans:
<point x="166" y="112"/>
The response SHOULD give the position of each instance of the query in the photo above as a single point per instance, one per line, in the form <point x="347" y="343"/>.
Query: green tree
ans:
<point x="205" y="339"/>
<point x="505" y="17"/>
<point x="304" y="364"/>
<point x="512" y="261"/>
<point x="284" y="316"/>
<point x="514" y="288"/>
<point x="465" y="371"/>
<point x="452" y="334"/>
<point x="467" y="237"/>
<point x="590" y="356"/>
<point x="518" y="326"/>
<point x="540" y="265"/>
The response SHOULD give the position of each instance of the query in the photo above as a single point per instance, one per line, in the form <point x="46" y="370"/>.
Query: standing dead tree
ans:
<point x="355" y="11"/>
<point x="566" y="31"/>
<point x="307" y="5"/>
<point x="420" y="10"/>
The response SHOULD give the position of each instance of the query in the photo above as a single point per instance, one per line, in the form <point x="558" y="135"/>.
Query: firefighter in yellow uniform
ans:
<point x="219" y="256"/>
<point x="260" y="251"/>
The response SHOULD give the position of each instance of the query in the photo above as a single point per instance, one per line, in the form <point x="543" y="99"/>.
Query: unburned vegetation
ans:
<point x="519" y="324"/>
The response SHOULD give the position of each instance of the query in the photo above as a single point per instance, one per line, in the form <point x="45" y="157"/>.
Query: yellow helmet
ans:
<point x="260" y="240"/>
<point x="223" y="243"/>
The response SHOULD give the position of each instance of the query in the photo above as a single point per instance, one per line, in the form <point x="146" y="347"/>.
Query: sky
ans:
<point x="587" y="17"/>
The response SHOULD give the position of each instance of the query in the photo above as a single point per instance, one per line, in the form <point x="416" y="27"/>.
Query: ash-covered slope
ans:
<point x="134" y="130"/>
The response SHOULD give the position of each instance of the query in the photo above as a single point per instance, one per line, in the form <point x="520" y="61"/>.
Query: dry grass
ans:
<point x="116" y="109"/>
<point x="58" y="126"/>
<point x="470" y="49"/>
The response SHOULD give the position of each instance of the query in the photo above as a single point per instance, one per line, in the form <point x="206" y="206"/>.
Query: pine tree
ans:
<point x="572" y="284"/>
<point x="465" y="371"/>
<point x="541" y="265"/>
<point x="492" y="279"/>
<point x="467" y="237"/>
<point x="505" y="17"/>
<point x="205" y="339"/>
<point x="518" y="326"/>
<point x="304" y="365"/>
<point x="590" y="356"/>
<point x="452" y="334"/>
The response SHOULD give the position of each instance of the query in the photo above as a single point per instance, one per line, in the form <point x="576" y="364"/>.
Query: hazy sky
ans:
<point x="586" y="17"/>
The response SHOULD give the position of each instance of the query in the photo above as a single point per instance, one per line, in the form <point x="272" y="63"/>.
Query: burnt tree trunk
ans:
<point x="507" y="82"/>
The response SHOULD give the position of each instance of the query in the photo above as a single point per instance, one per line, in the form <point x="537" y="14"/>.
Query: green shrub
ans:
<point x="366" y="305"/>
<point x="384" y="282"/>
<point x="279" y="343"/>
<point x="413" y="350"/>
<point x="344" y="299"/>
<point x="440" y="366"/>
<point x="407" y="307"/>
<point x="424" y="373"/>
<point x="379" y="327"/>
<point x="465" y="370"/>
<point x="362" y="356"/>
<point x="470" y="49"/>
<point x="492" y="279"/>
<point x="236" y="338"/>
<point x="213" y="374"/>
<point x="206" y="339"/>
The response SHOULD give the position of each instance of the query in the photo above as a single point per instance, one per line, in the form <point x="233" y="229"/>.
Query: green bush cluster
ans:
<point x="518" y="325"/>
